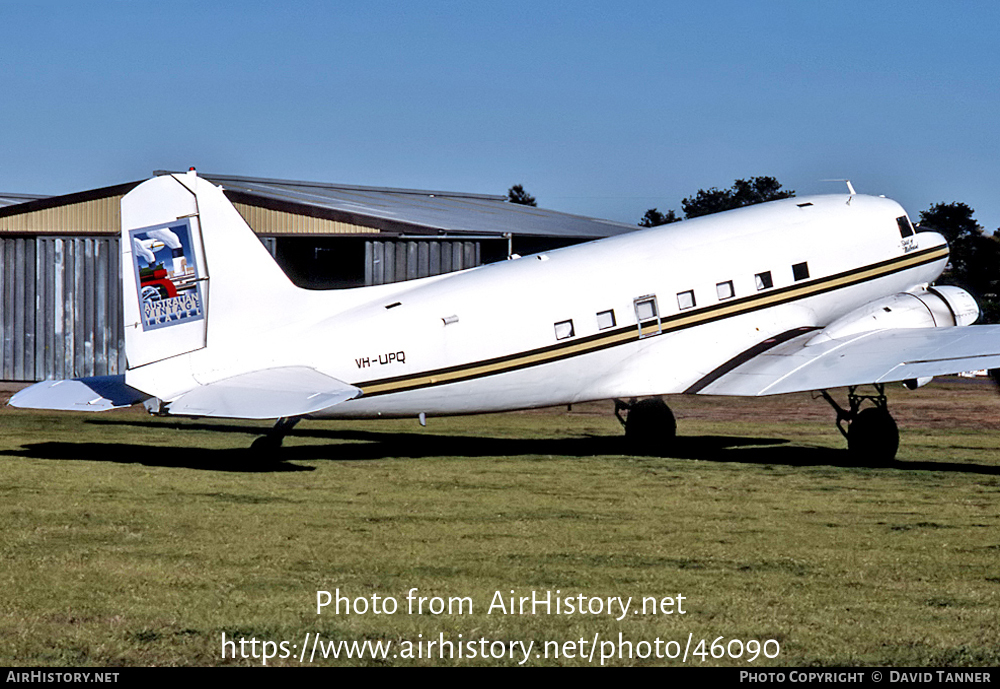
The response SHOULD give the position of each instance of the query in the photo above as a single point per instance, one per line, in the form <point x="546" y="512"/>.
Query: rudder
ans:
<point x="194" y="278"/>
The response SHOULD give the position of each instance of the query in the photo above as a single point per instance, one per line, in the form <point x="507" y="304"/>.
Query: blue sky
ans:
<point x="598" y="108"/>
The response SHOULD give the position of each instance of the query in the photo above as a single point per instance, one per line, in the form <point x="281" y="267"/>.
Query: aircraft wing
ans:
<point x="785" y="364"/>
<point x="265" y="394"/>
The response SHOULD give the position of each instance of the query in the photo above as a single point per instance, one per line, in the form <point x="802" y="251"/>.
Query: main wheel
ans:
<point x="873" y="436"/>
<point x="650" y="427"/>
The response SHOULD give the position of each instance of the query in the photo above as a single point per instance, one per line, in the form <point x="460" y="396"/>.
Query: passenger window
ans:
<point x="905" y="227"/>
<point x="645" y="310"/>
<point x="685" y="300"/>
<point x="764" y="280"/>
<point x="725" y="290"/>
<point x="800" y="271"/>
<point x="606" y="319"/>
<point x="564" y="329"/>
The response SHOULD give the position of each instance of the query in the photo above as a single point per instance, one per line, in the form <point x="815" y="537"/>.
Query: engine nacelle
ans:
<point x="933" y="307"/>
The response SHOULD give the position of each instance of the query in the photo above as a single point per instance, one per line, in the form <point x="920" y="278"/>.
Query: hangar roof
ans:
<point x="12" y="199"/>
<point x="419" y="211"/>
<point x="286" y="207"/>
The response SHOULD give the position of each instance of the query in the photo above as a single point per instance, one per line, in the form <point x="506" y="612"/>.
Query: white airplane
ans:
<point x="802" y="294"/>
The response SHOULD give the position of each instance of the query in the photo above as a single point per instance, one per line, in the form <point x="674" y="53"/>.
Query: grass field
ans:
<point x="130" y="540"/>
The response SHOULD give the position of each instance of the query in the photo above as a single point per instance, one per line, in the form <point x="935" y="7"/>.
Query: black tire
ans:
<point x="265" y="448"/>
<point x="650" y="427"/>
<point x="873" y="437"/>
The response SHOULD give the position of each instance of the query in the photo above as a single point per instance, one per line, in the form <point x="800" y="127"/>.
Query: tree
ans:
<point x="974" y="263"/>
<point x="759" y="190"/>
<point x="743" y="193"/>
<point x="517" y="194"/>
<point x="953" y="220"/>
<point x="654" y="218"/>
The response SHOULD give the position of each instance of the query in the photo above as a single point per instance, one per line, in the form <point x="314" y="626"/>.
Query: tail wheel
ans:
<point x="650" y="427"/>
<point x="266" y="446"/>
<point x="873" y="436"/>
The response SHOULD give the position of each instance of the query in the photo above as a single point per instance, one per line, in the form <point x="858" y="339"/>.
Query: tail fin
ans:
<point x="188" y="289"/>
<point x="185" y="289"/>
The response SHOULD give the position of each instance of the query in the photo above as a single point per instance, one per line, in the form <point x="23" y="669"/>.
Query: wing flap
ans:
<point x="880" y="356"/>
<point x="265" y="394"/>
<point x="98" y="393"/>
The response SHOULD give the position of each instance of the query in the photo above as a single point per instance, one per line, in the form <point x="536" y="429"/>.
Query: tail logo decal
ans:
<point x="167" y="275"/>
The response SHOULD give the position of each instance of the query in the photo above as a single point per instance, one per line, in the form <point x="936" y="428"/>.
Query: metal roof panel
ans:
<point x="433" y="211"/>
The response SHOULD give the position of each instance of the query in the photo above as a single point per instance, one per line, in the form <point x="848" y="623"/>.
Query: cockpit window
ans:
<point x="905" y="228"/>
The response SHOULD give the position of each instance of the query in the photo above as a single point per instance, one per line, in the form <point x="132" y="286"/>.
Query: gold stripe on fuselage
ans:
<point x="669" y="324"/>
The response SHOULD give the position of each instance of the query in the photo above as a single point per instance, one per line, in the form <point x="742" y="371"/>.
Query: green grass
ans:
<point x="129" y="540"/>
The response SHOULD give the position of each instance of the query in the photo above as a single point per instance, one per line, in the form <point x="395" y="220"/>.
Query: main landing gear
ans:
<point x="271" y="442"/>
<point x="872" y="435"/>
<point x="650" y="427"/>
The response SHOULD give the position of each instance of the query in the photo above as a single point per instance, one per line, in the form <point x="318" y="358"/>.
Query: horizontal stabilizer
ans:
<point x="879" y="356"/>
<point x="266" y="394"/>
<point x="98" y="393"/>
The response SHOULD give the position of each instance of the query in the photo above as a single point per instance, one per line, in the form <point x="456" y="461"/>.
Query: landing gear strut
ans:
<point x="650" y="427"/>
<point x="271" y="442"/>
<point x="872" y="434"/>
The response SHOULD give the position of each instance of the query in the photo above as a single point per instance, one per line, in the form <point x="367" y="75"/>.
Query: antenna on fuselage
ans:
<point x="850" y="188"/>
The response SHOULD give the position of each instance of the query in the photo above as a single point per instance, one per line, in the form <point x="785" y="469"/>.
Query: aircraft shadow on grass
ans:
<point x="151" y="455"/>
<point x="361" y="445"/>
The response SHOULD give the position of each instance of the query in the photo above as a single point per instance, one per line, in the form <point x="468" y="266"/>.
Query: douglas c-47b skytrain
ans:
<point x="802" y="294"/>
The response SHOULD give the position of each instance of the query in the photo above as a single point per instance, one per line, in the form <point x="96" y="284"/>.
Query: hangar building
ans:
<point x="60" y="272"/>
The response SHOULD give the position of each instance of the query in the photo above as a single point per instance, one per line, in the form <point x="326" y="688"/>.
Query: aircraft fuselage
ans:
<point x="648" y="313"/>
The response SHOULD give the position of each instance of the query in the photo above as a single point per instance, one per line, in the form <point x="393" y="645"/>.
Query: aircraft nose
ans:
<point x="930" y="238"/>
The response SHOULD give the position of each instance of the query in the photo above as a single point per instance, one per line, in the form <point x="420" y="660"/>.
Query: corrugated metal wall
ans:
<point x="96" y="216"/>
<point x="61" y="307"/>
<point x="285" y="223"/>
<point x="398" y="260"/>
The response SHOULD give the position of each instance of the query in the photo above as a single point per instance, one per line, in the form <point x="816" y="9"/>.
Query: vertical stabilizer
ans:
<point x="194" y="275"/>
<point x="208" y="313"/>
